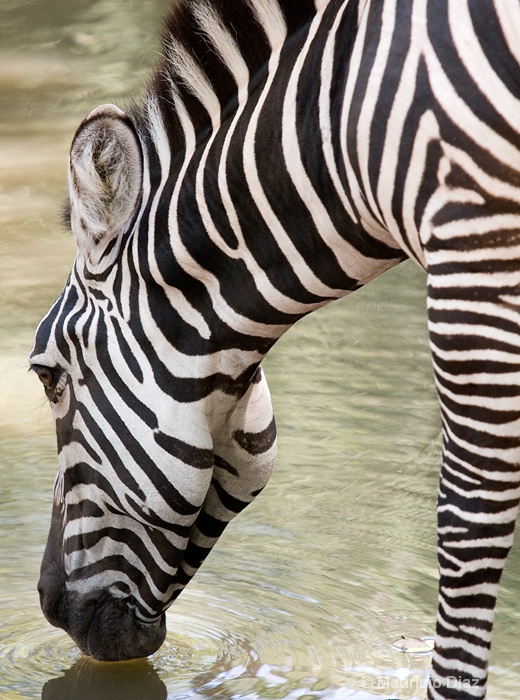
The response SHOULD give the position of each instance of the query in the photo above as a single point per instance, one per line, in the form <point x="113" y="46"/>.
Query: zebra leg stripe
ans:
<point x="476" y="354"/>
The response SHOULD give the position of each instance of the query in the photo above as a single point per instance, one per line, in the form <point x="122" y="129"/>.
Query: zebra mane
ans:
<point x="211" y="51"/>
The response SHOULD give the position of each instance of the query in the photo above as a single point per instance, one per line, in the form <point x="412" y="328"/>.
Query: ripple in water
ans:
<point x="256" y="641"/>
<point x="31" y="650"/>
<point x="248" y="643"/>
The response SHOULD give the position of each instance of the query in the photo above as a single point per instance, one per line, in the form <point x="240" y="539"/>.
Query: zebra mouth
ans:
<point x="115" y="634"/>
<point x="107" y="629"/>
<point x="104" y="628"/>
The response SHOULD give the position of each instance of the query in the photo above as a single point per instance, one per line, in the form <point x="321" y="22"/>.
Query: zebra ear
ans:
<point x="105" y="177"/>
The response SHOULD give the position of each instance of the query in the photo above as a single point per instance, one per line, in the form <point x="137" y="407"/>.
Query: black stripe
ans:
<point x="197" y="457"/>
<point x="257" y="443"/>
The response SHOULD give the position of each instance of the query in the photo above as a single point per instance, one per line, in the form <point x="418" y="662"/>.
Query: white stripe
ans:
<point x="225" y="46"/>
<point x="276" y="298"/>
<point x="270" y="17"/>
<point x="297" y="262"/>
<point x="404" y="100"/>
<point x="187" y="262"/>
<point x="370" y="223"/>
<point x="327" y="67"/>
<point x="175" y="296"/>
<point x="194" y="79"/>
<point x="509" y="16"/>
<point x="355" y="264"/>
<point x="454" y="105"/>
<point x="503" y="518"/>
<point x="475" y="61"/>
<point x="367" y="114"/>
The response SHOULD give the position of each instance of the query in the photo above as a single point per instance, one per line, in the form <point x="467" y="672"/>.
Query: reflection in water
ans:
<point x="89" y="680"/>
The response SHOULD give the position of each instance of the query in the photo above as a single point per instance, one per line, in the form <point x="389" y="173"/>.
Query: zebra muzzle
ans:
<point x="107" y="629"/>
<point x="102" y="626"/>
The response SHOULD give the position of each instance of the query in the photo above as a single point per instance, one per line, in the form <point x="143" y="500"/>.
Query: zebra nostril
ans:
<point x="120" y="589"/>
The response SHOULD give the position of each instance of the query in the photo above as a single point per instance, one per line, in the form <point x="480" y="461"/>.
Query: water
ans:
<point x="307" y="590"/>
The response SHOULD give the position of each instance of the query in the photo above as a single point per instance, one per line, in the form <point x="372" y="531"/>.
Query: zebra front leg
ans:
<point x="476" y="518"/>
<point x="476" y="353"/>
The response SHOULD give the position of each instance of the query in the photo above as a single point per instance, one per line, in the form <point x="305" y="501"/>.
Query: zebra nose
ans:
<point x="51" y="589"/>
<point x="102" y="626"/>
<point x="107" y="629"/>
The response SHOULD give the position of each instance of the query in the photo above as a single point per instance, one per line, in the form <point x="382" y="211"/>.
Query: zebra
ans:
<point x="284" y="153"/>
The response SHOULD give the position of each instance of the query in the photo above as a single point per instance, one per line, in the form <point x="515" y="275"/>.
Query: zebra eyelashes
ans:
<point x="45" y="375"/>
<point x="53" y="379"/>
<point x="105" y="177"/>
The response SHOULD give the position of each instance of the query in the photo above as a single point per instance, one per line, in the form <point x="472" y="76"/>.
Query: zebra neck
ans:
<point x="245" y="223"/>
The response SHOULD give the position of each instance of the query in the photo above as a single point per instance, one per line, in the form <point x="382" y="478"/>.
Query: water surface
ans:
<point x="308" y="588"/>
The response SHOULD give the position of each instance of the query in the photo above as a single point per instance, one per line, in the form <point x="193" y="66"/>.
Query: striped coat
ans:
<point x="285" y="154"/>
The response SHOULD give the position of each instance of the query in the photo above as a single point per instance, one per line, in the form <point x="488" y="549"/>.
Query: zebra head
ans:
<point x="161" y="440"/>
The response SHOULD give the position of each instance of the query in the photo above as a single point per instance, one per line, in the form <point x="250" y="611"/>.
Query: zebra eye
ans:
<point x="45" y="375"/>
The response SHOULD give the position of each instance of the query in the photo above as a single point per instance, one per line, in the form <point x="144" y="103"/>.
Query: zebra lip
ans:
<point x="106" y="629"/>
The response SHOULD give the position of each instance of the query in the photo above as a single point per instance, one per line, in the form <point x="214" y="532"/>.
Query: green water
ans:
<point x="306" y="590"/>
